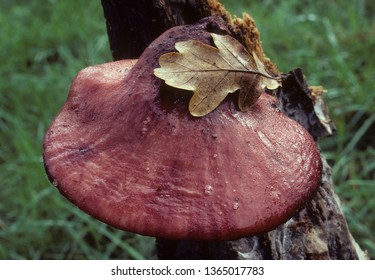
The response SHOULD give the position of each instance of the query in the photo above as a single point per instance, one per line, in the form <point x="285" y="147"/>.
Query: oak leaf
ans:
<point x="212" y="73"/>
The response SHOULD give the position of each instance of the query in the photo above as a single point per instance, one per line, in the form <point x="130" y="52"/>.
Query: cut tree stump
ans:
<point x="319" y="231"/>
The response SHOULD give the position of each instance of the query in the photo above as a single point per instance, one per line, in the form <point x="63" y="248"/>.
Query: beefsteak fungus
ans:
<point x="125" y="149"/>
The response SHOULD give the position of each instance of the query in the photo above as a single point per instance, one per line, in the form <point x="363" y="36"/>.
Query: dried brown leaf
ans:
<point x="212" y="73"/>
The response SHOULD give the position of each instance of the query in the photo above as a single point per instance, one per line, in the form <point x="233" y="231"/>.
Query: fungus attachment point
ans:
<point x="119" y="156"/>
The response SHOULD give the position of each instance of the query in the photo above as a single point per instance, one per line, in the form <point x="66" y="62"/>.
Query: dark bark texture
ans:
<point x="320" y="230"/>
<point x="133" y="24"/>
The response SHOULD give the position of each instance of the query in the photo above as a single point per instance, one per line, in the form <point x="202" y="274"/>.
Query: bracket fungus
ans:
<point x="125" y="149"/>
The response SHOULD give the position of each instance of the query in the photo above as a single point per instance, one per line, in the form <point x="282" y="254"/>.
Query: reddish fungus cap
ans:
<point x="126" y="152"/>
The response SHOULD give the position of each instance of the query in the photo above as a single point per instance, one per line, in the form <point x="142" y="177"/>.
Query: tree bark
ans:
<point x="133" y="24"/>
<point x="320" y="230"/>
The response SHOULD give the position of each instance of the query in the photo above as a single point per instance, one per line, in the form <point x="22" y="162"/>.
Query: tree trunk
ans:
<point x="320" y="230"/>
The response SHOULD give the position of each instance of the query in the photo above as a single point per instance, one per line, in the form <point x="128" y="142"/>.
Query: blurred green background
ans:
<point x="43" y="44"/>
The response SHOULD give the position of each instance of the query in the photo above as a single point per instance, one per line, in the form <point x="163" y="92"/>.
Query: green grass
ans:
<point x="45" y="43"/>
